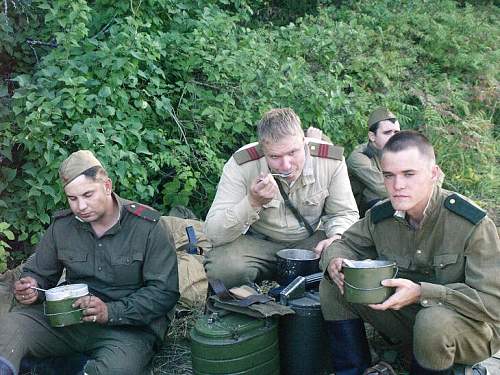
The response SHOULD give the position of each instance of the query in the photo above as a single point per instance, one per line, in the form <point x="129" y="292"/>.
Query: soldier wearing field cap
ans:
<point x="446" y="301"/>
<point x="285" y="191"/>
<point x="364" y="162"/>
<point x="123" y="251"/>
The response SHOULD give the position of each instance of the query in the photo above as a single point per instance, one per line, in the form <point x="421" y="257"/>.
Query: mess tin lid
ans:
<point x="369" y="263"/>
<point x="66" y="291"/>
<point x="297" y="254"/>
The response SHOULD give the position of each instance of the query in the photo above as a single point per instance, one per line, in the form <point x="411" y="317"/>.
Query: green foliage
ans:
<point x="5" y="234"/>
<point x="163" y="91"/>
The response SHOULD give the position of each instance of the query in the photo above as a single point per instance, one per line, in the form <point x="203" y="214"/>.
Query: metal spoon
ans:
<point x="282" y="175"/>
<point x="40" y="289"/>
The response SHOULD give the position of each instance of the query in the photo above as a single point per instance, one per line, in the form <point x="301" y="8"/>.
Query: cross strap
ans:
<point x="302" y="220"/>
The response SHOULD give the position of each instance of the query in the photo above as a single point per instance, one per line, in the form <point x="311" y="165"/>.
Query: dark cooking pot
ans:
<point x="295" y="262"/>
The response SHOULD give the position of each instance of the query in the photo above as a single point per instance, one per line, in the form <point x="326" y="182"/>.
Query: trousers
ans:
<point x="111" y="349"/>
<point x="438" y="335"/>
<point x="249" y="258"/>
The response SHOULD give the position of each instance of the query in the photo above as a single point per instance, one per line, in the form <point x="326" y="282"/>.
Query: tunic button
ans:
<point x="99" y="268"/>
<point x="425" y="302"/>
<point x="419" y="252"/>
<point x="127" y="260"/>
<point x="452" y="201"/>
<point x="99" y="244"/>
<point x="441" y="265"/>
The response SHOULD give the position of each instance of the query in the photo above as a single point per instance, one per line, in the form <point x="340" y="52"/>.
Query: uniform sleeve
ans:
<point x="340" y="210"/>
<point x="43" y="265"/>
<point x="231" y="214"/>
<point x="478" y="297"/>
<point x="356" y="244"/>
<point x="363" y="169"/>
<point x="160" y="290"/>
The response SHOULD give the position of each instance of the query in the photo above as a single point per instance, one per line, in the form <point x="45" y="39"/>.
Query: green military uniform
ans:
<point x="322" y="195"/>
<point x="454" y="255"/>
<point x="366" y="177"/>
<point x="132" y="268"/>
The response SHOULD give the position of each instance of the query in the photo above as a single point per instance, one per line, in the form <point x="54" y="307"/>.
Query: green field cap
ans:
<point x="77" y="163"/>
<point x="380" y="114"/>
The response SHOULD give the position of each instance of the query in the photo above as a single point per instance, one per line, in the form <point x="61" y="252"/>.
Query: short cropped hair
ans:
<point x="277" y="124"/>
<point x="406" y="139"/>
<point x="96" y="173"/>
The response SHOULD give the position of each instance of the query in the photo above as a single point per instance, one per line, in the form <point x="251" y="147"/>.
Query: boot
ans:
<point x="6" y="367"/>
<point x="349" y="349"/>
<point x="416" y="369"/>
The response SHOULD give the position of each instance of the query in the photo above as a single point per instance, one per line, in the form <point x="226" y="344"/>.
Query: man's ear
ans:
<point x="108" y="186"/>
<point x="435" y="171"/>
<point x="371" y="136"/>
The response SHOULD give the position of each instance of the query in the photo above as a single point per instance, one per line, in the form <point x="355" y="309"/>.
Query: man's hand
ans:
<point x="322" y="245"/>
<point x="407" y="293"/>
<point x="262" y="191"/>
<point x="23" y="290"/>
<point x="335" y="272"/>
<point x="95" y="310"/>
<point x="313" y="132"/>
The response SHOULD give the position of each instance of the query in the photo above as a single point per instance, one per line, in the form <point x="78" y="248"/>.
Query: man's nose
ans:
<point x="399" y="182"/>
<point x="286" y="164"/>
<point x="82" y="204"/>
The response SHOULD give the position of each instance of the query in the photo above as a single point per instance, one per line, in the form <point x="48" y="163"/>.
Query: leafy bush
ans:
<point x="164" y="90"/>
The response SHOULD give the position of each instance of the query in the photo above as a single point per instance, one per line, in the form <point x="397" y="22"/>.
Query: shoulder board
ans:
<point x="248" y="154"/>
<point x="326" y="150"/>
<point x="62" y="213"/>
<point x="369" y="153"/>
<point x="144" y="212"/>
<point x="381" y="212"/>
<point x="458" y="205"/>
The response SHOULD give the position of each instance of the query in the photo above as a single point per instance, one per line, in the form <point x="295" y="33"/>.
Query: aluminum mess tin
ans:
<point x="362" y="280"/>
<point x="58" y="304"/>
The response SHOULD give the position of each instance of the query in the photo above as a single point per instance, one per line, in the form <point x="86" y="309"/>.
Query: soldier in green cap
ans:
<point x="363" y="164"/>
<point x="446" y="301"/>
<point x="287" y="190"/>
<point x="123" y="251"/>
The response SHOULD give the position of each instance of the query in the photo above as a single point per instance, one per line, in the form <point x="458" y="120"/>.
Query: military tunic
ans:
<point x="322" y="193"/>
<point x="132" y="268"/>
<point x="454" y="255"/>
<point x="247" y="239"/>
<point x="365" y="174"/>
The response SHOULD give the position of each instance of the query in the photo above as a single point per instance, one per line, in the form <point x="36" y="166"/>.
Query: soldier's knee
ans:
<point x="232" y="270"/>
<point x="433" y="345"/>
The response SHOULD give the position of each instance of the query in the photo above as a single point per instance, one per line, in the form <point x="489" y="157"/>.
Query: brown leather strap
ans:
<point x="294" y="210"/>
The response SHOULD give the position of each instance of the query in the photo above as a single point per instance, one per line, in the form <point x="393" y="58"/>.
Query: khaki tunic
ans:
<point x="365" y="174"/>
<point x="132" y="267"/>
<point x="455" y="255"/>
<point x="322" y="194"/>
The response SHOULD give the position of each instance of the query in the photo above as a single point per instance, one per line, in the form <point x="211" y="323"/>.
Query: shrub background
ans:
<point x="163" y="91"/>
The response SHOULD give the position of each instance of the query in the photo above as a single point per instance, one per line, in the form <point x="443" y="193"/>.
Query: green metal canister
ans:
<point x="235" y="344"/>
